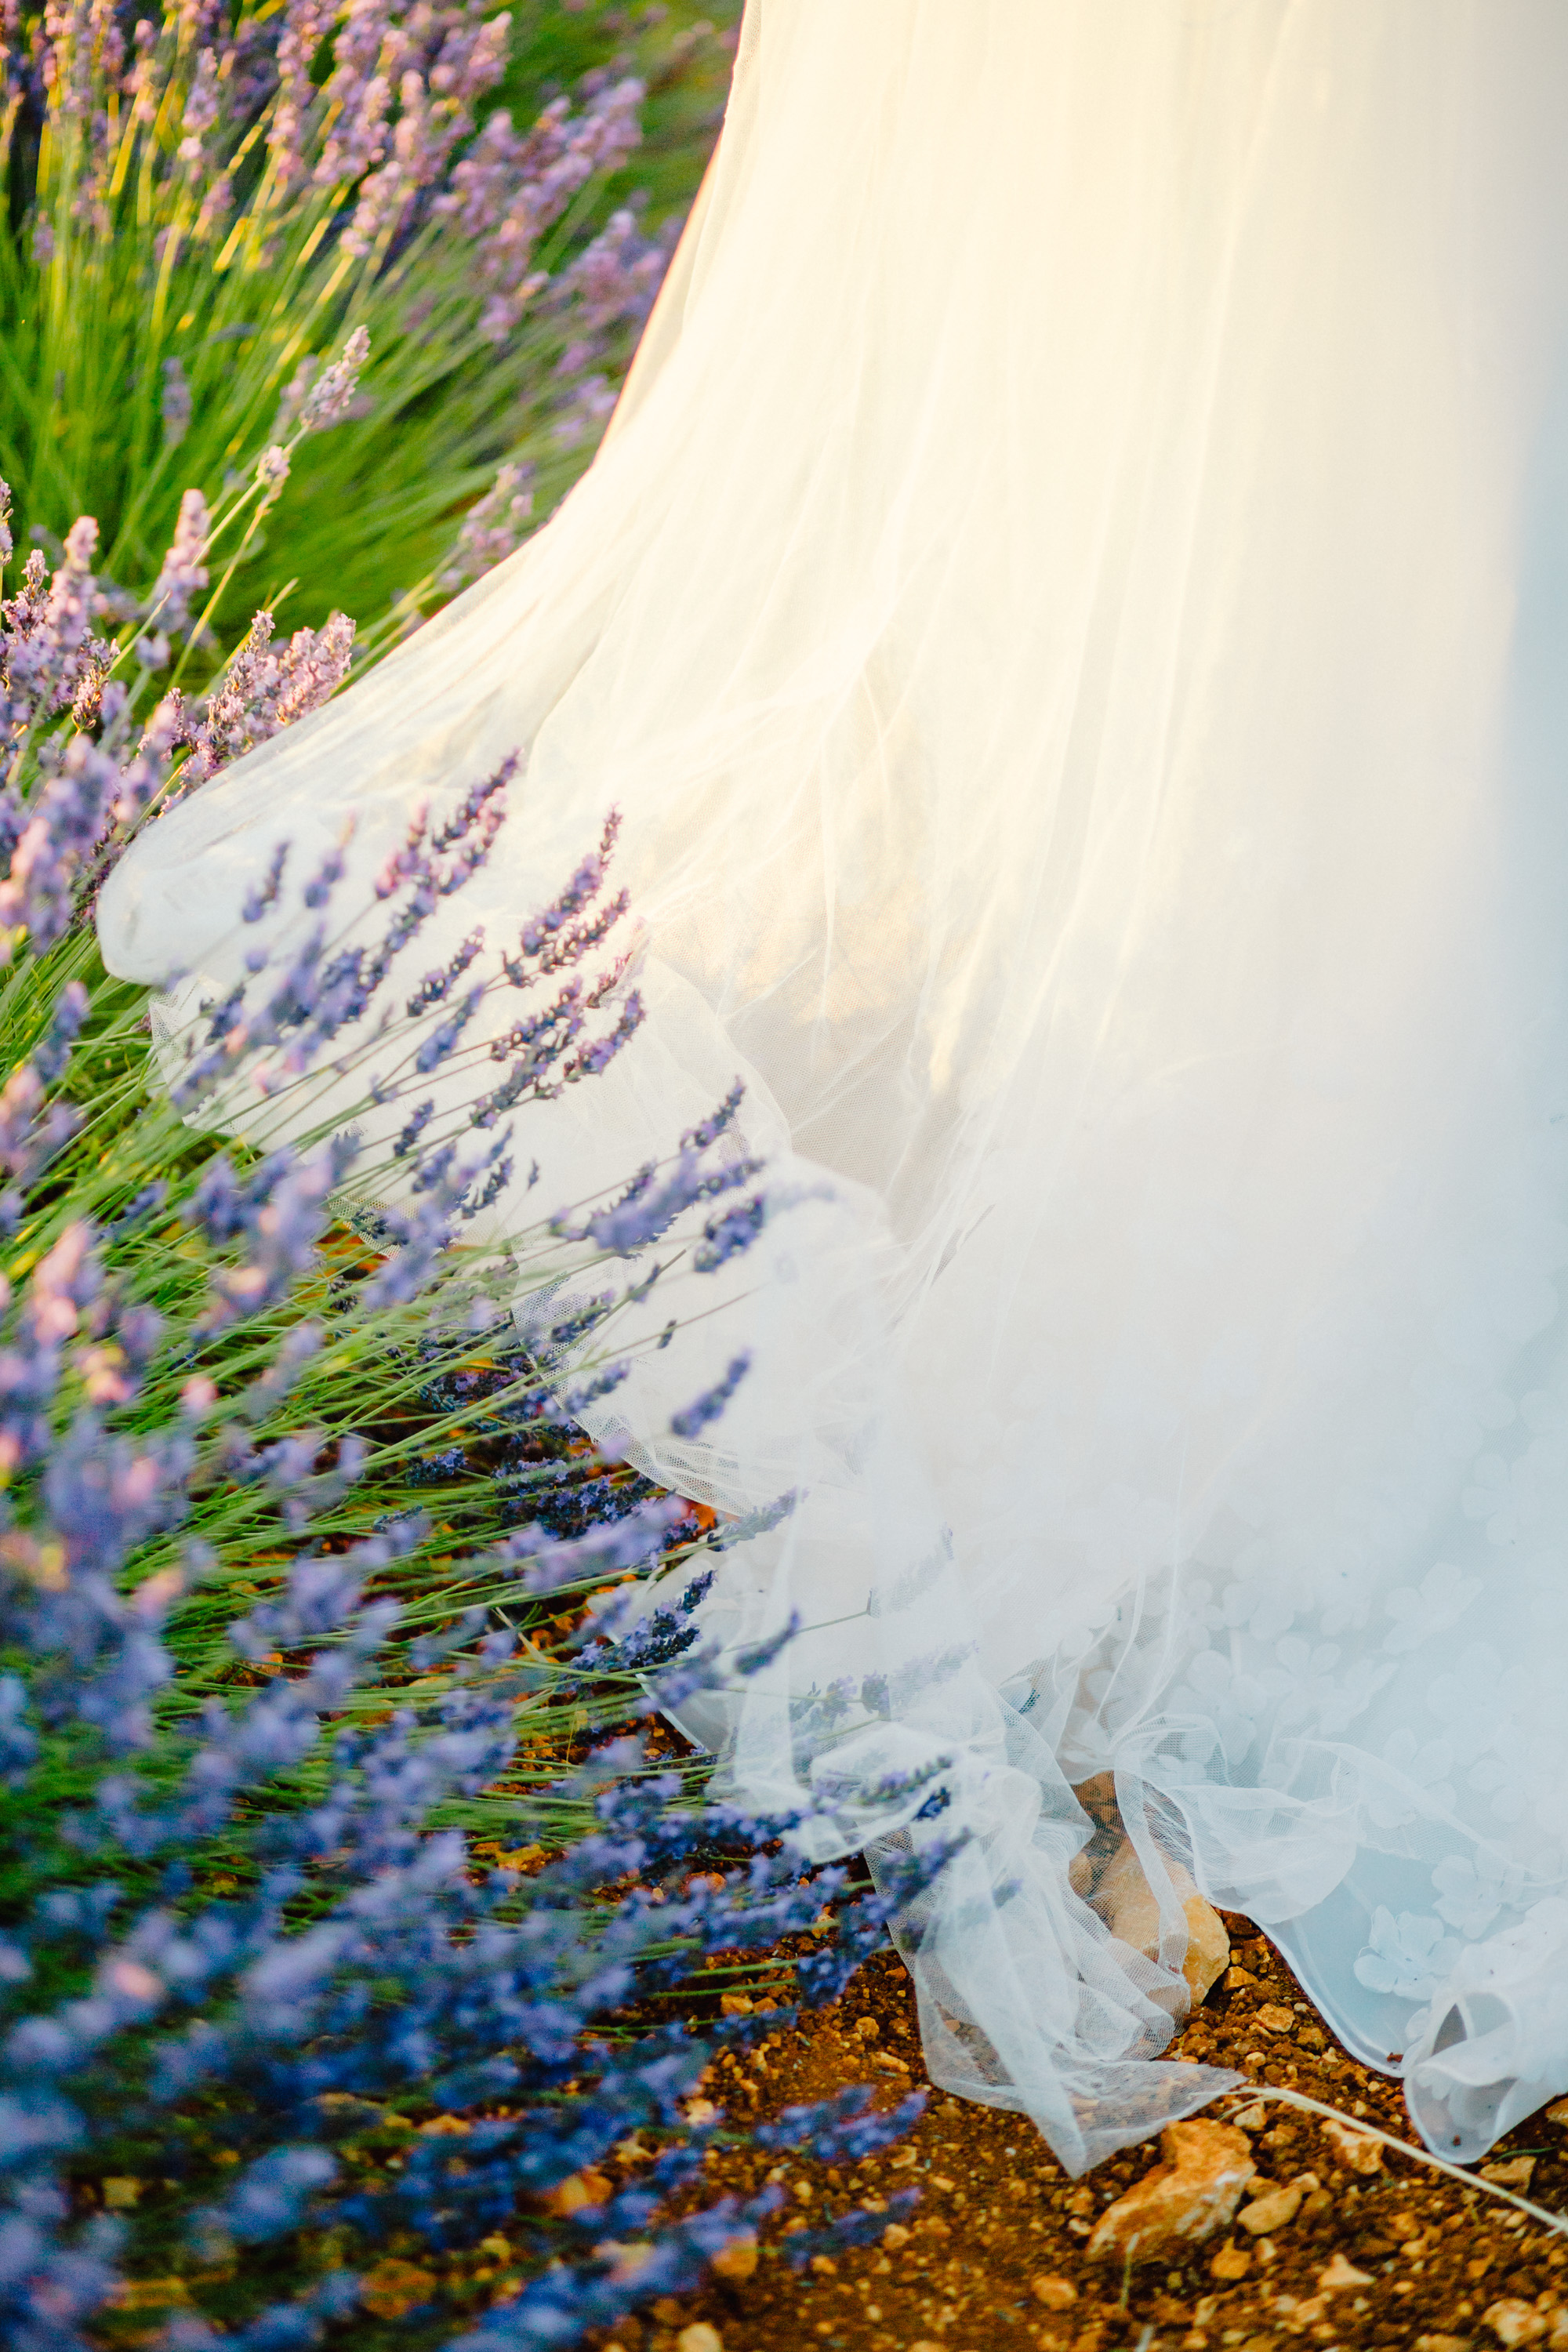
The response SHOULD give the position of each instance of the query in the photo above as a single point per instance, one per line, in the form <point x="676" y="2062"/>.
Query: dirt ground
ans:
<point x="996" y="2257"/>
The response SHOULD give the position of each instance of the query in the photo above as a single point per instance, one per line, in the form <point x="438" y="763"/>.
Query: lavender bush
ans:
<point x="327" y="1902"/>
<point x="206" y="204"/>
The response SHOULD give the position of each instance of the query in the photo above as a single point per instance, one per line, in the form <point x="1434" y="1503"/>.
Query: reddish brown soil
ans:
<point x="998" y="2243"/>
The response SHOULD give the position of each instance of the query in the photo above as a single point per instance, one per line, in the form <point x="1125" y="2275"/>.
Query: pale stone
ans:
<point x="825" y="2266"/>
<point x="1514" y="2174"/>
<point x="1557" y="2113"/>
<point x="1133" y="1913"/>
<point x="1512" y="2322"/>
<point x="1192" y="2193"/>
<point x="1353" y="2145"/>
<point x="1275" y="2018"/>
<point x="1232" y="2261"/>
<point x="895" y="2235"/>
<point x="391" y="2289"/>
<point x="699" y="2337"/>
<point x="1056" y="2294"/>
<point x="582" y="2189"/>
<point x="1338" y="2272"/>
<point x="1273" y="2209"/>
<point x="1208" y="1947"/>
<point x="737" y="2260"/>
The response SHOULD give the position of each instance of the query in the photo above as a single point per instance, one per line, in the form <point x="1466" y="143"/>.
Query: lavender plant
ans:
<point x="327" y="1902"/>
<point x="206" y="204"/>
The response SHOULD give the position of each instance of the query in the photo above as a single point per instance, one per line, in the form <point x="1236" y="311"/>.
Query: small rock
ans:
<point x="666" y="2311"/>
<point x="1236" y="1978"/>
<point x="867" y="2027"/>
<point x="1337" y="2273"/>
<point x="1232" y="2261"/>
<point x="1192" y="2193"/>
<point x="1129" y="1904"/>
<point x="391" y="2289"/>
<point x="1252" y="2118"/>
<point x="889" y="2064"/>
<point x="1273" y="2209"/>
<point x="825" y="2266"/>
<point x="1557" y="2113"/>
<point x="1358" y="2149"/>
<point x="1513" y="2174"/>
<point x="737" y="2260"/>
<point x="699" y="2112"/>
<point x="627" y="2259"/>
<point x="1442" y="2344"/>
<point x="699" y="2337"/>
<point x="1275" y="2018"/>
<point x="895" y="2235"/>
<point x="1512" y="2322"/>
<point x="735" y="2004"/>
<point x="1056" y="2294"/>
<point x="582" y="2189"/>
<point x="933" y="2226"/>
<point x="120" y="2193"/>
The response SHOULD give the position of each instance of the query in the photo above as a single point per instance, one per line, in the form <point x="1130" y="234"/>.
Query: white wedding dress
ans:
<point x="1074" y="609"/>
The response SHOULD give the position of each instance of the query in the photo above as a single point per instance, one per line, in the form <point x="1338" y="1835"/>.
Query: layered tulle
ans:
<point x="1071" y="609"/>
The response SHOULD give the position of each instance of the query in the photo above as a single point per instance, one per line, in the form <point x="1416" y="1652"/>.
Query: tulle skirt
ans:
<point x="1073" y="609"/>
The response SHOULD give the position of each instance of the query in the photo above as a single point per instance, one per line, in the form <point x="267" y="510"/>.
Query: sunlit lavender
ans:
<point x="303" y="1560"/>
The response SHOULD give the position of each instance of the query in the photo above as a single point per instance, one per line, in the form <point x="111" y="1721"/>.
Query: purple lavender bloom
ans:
<point x="435" y="986"/>
<point x="647" y="1210"/>
<point x="329" y="398"/>
<point x="184" y="574"/>
<point x="264" y="894"/>
<point x="708" y="1407"/>
<point x="492" y="529"/>
<point x="176" y="406"/>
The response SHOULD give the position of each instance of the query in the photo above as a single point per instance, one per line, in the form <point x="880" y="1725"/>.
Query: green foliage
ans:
<point x="190" y="224"/>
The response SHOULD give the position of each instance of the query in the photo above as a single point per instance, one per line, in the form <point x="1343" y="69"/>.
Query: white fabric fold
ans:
<point x="1072" y="612"/>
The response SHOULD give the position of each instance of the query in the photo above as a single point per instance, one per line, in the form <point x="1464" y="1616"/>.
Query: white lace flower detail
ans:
<point x="1468" y="1702"/>
<point x="1407" y="1957"/>
<point x="1260" y="1604"/>
<point x="1422" y="1766"/>
<point x="1306" y="1682"/>
<point x="1471" y="1893"/>
<point x="1216" y="1693"/>
<point x="1507" y="1778"/>
<point x="1500" y="1493"/>
<point x="1419" y="1611"/>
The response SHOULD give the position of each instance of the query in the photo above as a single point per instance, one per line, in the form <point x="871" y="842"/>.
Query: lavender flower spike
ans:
<point x="327" y="400"/>
<point x="695" y="1417"/>
<point x="184" y="574"/>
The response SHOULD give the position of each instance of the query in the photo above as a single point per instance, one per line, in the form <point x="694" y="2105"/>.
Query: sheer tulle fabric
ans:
<point x="1072" y="610"/>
